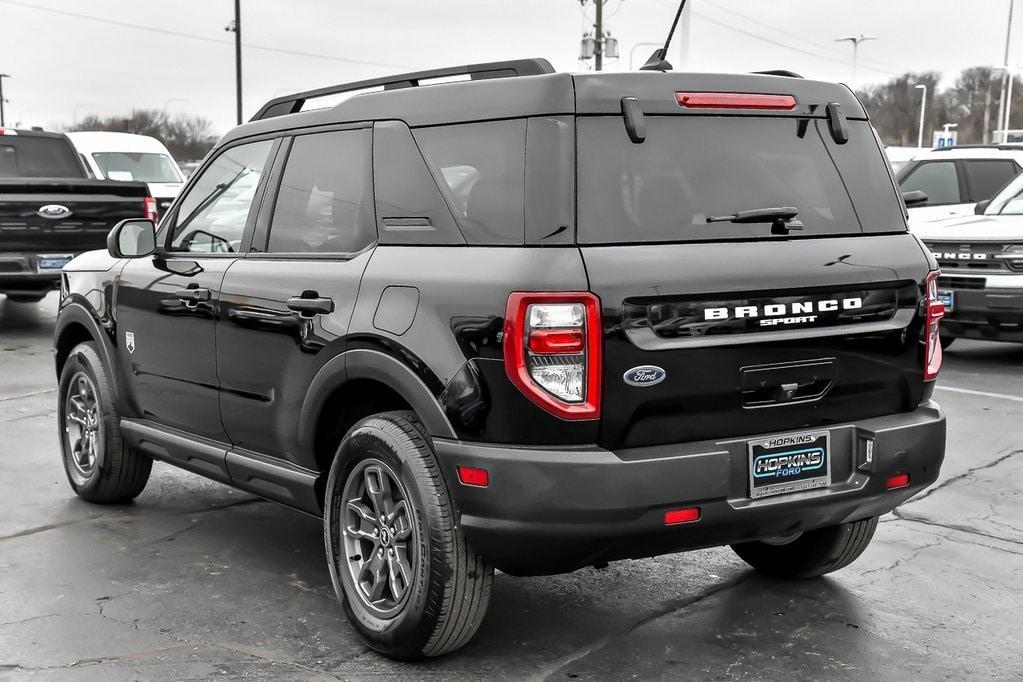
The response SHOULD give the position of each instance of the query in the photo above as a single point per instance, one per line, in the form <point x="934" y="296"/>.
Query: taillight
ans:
<point x="552" y="351"/>
<point x="149" y="211"/>
<point x="735" y="100"/>
<point x="934" y="310"/>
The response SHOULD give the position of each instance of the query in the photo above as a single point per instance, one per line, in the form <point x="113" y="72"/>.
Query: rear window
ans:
<point x="691" y="168"/>
<point x="141" y="167"/>
<point x="37" y="157"/>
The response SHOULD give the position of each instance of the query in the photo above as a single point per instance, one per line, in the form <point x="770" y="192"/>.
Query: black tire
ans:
<point x="813" y="553"/>
<point x="447" y="597"/>
<point x="117" y="473"/>
<point x="946" y="341"/>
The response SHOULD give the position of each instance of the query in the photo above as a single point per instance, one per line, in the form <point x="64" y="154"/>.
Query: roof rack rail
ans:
<point x="1004" y="146"/>
<point x="290" y="104"/>
<point x="778" y="72"/>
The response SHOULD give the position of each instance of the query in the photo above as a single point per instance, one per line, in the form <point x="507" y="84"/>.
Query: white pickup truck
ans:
<point x="981" y="259"/>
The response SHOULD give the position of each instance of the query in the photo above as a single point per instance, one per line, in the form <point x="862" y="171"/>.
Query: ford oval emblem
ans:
<point x="53" y="211"/>
<point x="644" y="375"/>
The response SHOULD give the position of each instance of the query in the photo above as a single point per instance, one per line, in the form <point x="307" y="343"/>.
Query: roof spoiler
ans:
<point x="290" y="104"/>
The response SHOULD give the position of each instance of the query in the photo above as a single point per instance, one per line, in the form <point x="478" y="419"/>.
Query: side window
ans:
<point x="987" y="177"/>
<point x="481" y="168"/>
<point x="211" y="217"/>
<point x="937" y="179"/>
<point x="325" y="201"/>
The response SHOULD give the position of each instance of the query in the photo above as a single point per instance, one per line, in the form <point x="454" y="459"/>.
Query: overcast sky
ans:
<point x="107" y="56"/>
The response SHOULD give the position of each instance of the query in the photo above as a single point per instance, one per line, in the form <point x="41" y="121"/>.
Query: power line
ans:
<point x="193" y="36"/>
<point x="782" y="31"/>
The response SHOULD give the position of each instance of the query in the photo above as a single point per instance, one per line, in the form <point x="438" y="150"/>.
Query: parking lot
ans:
<point x="196" y="580"/>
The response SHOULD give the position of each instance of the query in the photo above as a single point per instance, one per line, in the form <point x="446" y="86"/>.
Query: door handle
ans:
<point x="193" y="294"/>
<point x="311" y="306"/>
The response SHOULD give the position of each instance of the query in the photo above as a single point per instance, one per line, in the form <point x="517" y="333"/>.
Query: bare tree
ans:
<point x="187" y="137"/>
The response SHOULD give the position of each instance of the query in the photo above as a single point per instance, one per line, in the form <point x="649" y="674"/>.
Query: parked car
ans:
<point x="981" y="259"/>
<point x="898" y="157"/>
<point x="531" y="321"/>
<point x="126" y="156"/>
<point x="50" y="211"/>
<point x="954" y="179"/>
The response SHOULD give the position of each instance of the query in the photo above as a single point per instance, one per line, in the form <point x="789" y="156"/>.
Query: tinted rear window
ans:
<point x="987" y="177"/>
<point x="690" y="168"/>
<point x="38" y="157"/>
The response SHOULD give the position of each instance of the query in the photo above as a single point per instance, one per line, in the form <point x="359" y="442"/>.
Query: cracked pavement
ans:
<point x="195" y="580"/>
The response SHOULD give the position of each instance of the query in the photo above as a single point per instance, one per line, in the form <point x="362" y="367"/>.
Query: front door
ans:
<point x="287" y="305"/>
<point x="167" y="305"/>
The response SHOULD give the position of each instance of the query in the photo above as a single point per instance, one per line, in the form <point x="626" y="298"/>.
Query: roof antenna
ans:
<point x="657" y="61"/>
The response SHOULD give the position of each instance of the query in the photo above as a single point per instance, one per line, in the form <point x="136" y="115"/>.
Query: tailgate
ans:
<point x="756" y="337"/>
<point x="64" y="215"/>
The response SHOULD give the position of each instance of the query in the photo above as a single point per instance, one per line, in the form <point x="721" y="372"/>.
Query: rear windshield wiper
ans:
<point x="782" y="218"/>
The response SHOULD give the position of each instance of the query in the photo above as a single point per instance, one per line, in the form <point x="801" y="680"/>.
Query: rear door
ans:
<point x="167" y="304"/>
<point x="286" y="306"/>
<point x="754" y="331"/>
<point x="944" y="183"/>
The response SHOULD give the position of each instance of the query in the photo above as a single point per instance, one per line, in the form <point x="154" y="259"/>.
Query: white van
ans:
<point x="125" y="156"/>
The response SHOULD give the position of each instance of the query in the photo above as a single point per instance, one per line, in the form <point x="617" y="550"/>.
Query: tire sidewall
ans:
<point x="406" y="633"/>
<point x="84" y="358"/>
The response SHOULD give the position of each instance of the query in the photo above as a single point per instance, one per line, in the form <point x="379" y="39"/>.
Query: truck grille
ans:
<point x="972" y="256"/>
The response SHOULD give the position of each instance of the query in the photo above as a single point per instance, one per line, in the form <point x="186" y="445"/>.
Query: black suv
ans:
<point x="500" y="317"/>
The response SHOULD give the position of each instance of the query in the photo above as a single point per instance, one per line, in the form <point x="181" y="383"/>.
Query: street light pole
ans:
<point x="855" y="41"/>
<point x="2" y="100"/>
<point x="1008" y="105"/>
<point x="923" y="105"/>
<point x="1005" y="74"/>
<point x="236" y="27"/>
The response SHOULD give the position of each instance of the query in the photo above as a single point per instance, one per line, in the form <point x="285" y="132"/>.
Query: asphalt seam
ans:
<point x="27" y="395"/>
<point x="673" y="607"/>
<point x="958" y="477"/>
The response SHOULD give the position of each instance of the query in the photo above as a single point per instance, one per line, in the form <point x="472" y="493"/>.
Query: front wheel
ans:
<point x="406" y="578"/>
<point x="100" y="466"/>
<point x="811" y="554"/>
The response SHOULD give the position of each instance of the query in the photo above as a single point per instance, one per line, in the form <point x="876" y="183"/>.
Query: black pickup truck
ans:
<point x="50" y="210"/>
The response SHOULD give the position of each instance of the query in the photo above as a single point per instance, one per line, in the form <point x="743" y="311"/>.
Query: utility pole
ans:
<point x="855" y="40"/>
<point x="2" y="100"/>
<point x="600" y="44"/>
<point x="923" y="109"/>
<point x="236" y="27"/>
<point x="598" y="31"/>
<point x="1005" y="74"/>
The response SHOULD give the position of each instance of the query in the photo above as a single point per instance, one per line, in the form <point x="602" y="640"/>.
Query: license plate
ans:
<point x="54" y="262"/>
<point x="948" y="298"/>
<point x="789" y="463"/>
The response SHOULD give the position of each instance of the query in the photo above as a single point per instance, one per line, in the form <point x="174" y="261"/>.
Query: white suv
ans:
<point x="954" y="179"/>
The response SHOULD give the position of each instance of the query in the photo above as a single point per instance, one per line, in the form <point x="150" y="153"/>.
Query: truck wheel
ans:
<point x="946" y="341"/>
<point x="405" y="576"/>
<point x="26" y="298"/>
<point x="99" y="465"/>
<point x="813" y="553"/>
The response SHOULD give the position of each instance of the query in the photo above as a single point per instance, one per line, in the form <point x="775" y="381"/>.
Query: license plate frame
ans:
<point x="778" y="475"/>
<point x="53" y="261"/>
<point x="948" y="297"/>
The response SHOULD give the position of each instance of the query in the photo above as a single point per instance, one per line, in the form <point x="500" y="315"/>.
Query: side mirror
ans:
<point x="981" y="207"/>
<point x="132" y="238"/>
<point x="914" y="197"/>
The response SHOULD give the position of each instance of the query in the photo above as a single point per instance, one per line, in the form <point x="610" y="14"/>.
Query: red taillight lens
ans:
<point x="897" y="481"/>
<point x="676" y="516"/>
<point x="934" y="310"/>
<point x="479" y="478"/>
<point x="552" y="351"/>
<point x="735" y="100"/>
<point x="149" y="211"/>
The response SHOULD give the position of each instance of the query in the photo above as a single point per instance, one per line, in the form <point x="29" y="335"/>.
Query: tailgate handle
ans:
<point x="786" y="383"/>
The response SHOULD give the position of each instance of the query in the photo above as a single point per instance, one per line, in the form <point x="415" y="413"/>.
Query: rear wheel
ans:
<point x="406" y="578"/>
<point x="100" y="467"/>
<point x="27" y="296"/>
<point x="946" y="341"/>
<point x="811" y="554"/>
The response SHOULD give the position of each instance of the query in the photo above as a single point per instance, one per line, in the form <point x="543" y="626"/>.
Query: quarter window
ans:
<point x="937" y="179"/>
<point x="212" y="216"/>
<point x="987" y="177"/>
<point x="325" y="204"/>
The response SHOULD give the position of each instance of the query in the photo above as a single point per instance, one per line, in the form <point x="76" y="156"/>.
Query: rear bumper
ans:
<point x="556" y="510"/>
<point x="991" y="314"/>
<point x="27" y="272"/>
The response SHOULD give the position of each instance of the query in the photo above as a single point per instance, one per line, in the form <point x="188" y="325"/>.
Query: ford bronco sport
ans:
<point x="526" y="320"/>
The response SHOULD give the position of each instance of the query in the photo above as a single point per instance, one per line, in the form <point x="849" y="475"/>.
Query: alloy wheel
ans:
<point x="83" y="424"/>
